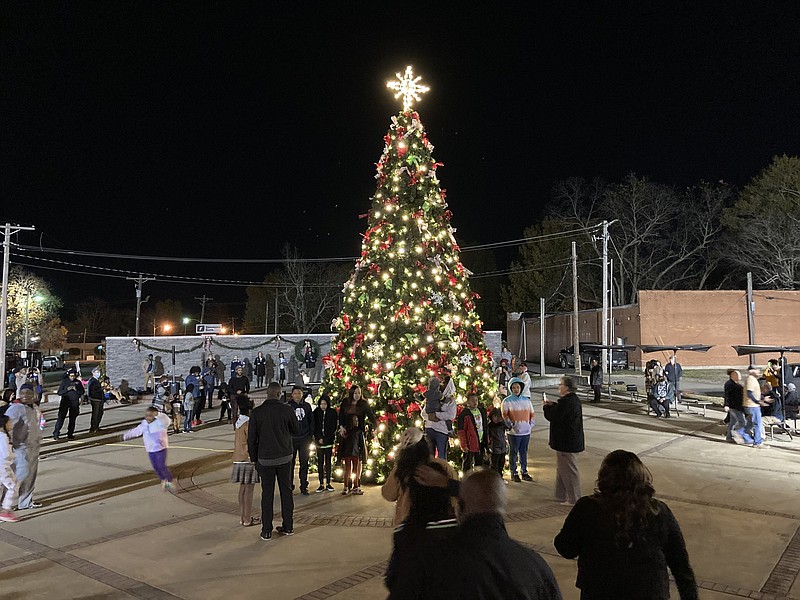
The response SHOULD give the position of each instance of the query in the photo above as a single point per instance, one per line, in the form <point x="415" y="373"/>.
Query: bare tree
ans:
<point x="762" y="233"/>
<point x="312" y="292"/>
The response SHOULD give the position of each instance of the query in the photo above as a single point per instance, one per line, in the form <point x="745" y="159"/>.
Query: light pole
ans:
<point x="37" y="298"/>
<point x="166" y="327"/>
<point x="187" y="320"/>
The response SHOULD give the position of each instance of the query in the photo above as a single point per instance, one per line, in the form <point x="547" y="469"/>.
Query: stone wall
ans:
<point x="124" y="360"/>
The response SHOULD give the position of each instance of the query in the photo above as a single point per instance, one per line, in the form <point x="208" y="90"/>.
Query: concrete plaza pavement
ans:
<point x="107" y="531"/>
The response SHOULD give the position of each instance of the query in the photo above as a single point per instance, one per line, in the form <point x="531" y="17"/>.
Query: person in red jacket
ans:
<point x="471" y="424"/>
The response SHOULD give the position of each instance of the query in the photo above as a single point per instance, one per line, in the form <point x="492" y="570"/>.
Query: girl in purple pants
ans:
<point x="153" y="430"/>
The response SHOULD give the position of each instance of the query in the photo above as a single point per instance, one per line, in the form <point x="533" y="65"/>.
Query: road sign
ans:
<point x="208" y="328"/>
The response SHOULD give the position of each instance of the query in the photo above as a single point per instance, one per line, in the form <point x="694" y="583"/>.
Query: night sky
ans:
<point x="225" y="130"/>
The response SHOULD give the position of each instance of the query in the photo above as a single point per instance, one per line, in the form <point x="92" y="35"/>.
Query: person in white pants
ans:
<point x="7" y="478"/>
<point x="26" y="439"/>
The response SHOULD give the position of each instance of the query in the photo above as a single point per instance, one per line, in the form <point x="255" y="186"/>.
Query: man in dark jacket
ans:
<point x="71" y="392"/>
<point x="673" y="372"/>
<point x="97" y="400"/>
<point x="596" y="379"/>
<point x="238" y="385"/>
<point x="490" y="565"/>
<point x="269" y="443"/>
<point x="302" y="439"/>
<point x="733" y="406"/>
<point x="566" y="438"/>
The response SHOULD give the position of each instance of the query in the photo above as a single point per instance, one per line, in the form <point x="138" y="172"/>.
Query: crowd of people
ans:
<point x="761" y="399"/>
<point x="436" y="511"/>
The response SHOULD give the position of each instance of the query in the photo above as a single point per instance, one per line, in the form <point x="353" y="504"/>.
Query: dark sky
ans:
<point x="224" y="130"/>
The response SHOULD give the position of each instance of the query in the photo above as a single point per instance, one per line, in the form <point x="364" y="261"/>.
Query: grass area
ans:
<point x="714" y="375"/>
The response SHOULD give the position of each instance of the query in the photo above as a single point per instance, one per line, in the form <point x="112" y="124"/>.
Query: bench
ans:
<point x="700" y="405"/>
<point x="774" y="423"/>
<point x="633" y="391"/>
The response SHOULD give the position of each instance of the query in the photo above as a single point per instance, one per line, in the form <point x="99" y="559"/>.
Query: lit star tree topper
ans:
<point x="408" y="87"/>
<point x="408" y="312"/>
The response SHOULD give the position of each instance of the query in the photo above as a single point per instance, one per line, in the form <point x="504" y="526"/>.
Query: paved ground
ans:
<point x="107" y="531"/>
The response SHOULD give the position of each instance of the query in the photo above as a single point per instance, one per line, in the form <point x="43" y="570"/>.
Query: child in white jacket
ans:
<point x="153" y="430"/>
<point x="7" y="478"/>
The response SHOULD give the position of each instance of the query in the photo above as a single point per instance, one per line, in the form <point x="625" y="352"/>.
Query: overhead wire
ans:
<point x="472" y="248"/>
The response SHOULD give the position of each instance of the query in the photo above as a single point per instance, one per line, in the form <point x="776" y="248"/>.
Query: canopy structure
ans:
<point x="763" y="349"/>
<point x="646" y="348"/>
<point x="624" y="347"/>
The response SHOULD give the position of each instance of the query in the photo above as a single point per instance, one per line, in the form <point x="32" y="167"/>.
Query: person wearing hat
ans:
<point x="397" y="491"/>
<point x="96" y="399"/>
<point x="71" y="392"/>
<point x="26" y="439"/>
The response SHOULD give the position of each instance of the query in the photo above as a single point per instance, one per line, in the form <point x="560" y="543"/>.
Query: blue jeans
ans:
<point x="518" y="445"/>
<point x="187" y="420"/>
<point x="736" y="422"/>
<point x="753" y="423"/>
<point x="438" y="440"/>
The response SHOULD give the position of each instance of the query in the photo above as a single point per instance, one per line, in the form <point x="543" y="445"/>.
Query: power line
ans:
<point x="503" y="244"/>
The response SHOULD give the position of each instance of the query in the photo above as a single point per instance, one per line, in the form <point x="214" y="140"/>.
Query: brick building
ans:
<point x="717" y="317"/>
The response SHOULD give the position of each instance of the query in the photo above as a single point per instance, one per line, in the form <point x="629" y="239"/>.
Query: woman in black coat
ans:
<point x="326" y="421"/>
<point x="624" y="538"/>
<point x="566" y="438"/>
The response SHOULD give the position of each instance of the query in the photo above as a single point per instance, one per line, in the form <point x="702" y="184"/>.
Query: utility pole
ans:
<point x="4" y="304"/>
<point x="266" y="316"/>
<point x="541" y="336"/>
<point x="202" y="300"/>
<point x="751" y="309"/>
<point x="576" y="344"/>
<point x="604" y="338"/>
<point x="139" y="281"/>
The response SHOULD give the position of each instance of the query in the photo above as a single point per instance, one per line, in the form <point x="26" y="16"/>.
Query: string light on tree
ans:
<point x="408" y="311"/>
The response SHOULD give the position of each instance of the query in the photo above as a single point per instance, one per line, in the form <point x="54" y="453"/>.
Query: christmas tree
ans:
<point x="408" y="311"/>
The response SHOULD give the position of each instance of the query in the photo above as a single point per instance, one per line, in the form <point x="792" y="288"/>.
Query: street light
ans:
<point x="36" y="298"/>
<point x="186" y="321"/>
<point x="166" y="327"/>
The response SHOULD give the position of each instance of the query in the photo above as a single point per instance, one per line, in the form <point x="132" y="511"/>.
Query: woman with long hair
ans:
<point x="429" y="523"/>
<point x="244" y="470"/>
<point x="624" y="538"/>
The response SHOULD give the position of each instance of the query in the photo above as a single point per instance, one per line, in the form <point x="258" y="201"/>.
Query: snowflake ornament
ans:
<point x="375" y="350"/>
<point x="466" y="360"/>
<point x="437" y="298"/>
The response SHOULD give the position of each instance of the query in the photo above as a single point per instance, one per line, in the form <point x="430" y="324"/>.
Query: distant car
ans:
<point x="52" y="363"/>
<point x="566" y="358"/>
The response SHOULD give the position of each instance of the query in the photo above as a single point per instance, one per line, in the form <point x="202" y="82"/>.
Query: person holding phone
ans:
<point x="566" y="438"/>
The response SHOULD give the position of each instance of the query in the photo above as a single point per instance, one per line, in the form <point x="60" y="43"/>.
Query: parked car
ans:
<point x="566" y="358"/>
<point x="52" y="363"/>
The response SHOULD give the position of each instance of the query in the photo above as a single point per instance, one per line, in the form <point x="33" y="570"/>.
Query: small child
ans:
<point x="153" y="430"/>
<point x="176" y="410"/>
<point x="497" y="441"/>
<point x="161" y="394"/>
<point x="7" y="478"/>
<point x="435" y="397"/>
<point x="224" y="401"/>
<point x="352" y="450"/>
<point x="188" y="408"/>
